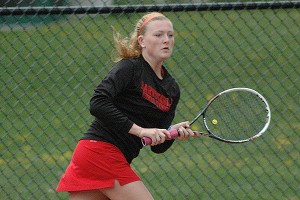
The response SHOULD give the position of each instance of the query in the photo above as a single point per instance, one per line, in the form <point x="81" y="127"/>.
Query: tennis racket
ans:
<point x="236" y="115"/>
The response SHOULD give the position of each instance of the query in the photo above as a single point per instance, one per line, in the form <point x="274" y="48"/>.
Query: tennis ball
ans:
<point x="214" y="121"/>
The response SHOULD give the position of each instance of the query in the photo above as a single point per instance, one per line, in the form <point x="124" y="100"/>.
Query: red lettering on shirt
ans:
<point x="160" y="101"/>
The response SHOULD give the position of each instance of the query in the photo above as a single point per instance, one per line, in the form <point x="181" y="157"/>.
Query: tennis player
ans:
<point x="136" y="99"/>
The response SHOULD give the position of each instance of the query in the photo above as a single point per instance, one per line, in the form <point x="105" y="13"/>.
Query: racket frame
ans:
<point x="212" y="135"/>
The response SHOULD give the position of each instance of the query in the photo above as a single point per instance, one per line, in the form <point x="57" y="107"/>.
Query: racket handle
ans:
<point x="173" y="132"/>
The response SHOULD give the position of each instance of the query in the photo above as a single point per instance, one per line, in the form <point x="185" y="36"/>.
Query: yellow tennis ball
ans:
<point x="214" y="121"/>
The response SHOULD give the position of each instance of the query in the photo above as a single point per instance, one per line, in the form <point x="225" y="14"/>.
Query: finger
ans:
<point x="158" y="139"/>
<point x="196" y="134"/>
<point x="187" y="124"/>
<point x="187" y="132"/>
<point x="167" y="134"/>
<point x="153" y="142"/>
<point x="162" y="137"/>
<point x="183" y="133"/>
<point x="190" y="133"/>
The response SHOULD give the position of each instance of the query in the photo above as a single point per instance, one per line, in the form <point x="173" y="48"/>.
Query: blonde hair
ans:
<point x="130" y="48"/>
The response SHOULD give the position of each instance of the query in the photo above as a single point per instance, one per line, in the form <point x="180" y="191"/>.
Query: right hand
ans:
<point x="157" y="136"/>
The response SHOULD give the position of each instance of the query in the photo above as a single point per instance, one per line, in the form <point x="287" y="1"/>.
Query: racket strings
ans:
<point x="236" y="115"/>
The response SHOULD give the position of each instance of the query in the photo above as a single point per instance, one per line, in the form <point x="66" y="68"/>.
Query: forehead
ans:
<point x="159" y="25"/>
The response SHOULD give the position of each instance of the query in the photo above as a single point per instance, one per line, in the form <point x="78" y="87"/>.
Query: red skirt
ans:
<point x="96" y="165"/>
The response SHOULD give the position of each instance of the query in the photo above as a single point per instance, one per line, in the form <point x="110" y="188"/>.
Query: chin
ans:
<point x="166" y="56"/>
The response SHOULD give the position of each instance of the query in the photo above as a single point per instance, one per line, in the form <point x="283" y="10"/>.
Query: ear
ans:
<point x="141" y="41"/>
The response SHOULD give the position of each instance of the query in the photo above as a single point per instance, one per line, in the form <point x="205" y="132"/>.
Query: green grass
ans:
<point x="48" y="74"/>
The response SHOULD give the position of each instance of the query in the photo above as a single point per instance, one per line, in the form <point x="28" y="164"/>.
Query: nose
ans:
<point x="166" y="38"/>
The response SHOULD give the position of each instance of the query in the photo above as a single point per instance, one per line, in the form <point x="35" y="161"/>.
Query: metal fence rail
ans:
<point x="53" y="56"/>
<point x="45" y="10"/>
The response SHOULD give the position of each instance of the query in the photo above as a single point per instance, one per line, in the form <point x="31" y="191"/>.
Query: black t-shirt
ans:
<point x="132" y="93"/>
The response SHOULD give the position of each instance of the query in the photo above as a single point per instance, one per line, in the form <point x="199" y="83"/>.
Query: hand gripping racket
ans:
<point x="236" y="115"/>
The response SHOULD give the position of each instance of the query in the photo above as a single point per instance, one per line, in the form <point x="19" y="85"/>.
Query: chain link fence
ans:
<point x="53" y="53"/>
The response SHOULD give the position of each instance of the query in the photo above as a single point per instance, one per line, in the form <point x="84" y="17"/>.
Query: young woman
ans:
<point x="137" y="98"/>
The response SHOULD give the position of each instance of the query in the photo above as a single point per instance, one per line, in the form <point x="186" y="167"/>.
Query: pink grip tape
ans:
<point x="173" y="132"/>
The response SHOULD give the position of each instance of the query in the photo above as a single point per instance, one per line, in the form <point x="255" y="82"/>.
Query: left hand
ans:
<point x="185" y="131"/>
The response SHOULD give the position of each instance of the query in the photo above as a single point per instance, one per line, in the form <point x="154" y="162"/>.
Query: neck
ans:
<point x="155" y="65"/>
